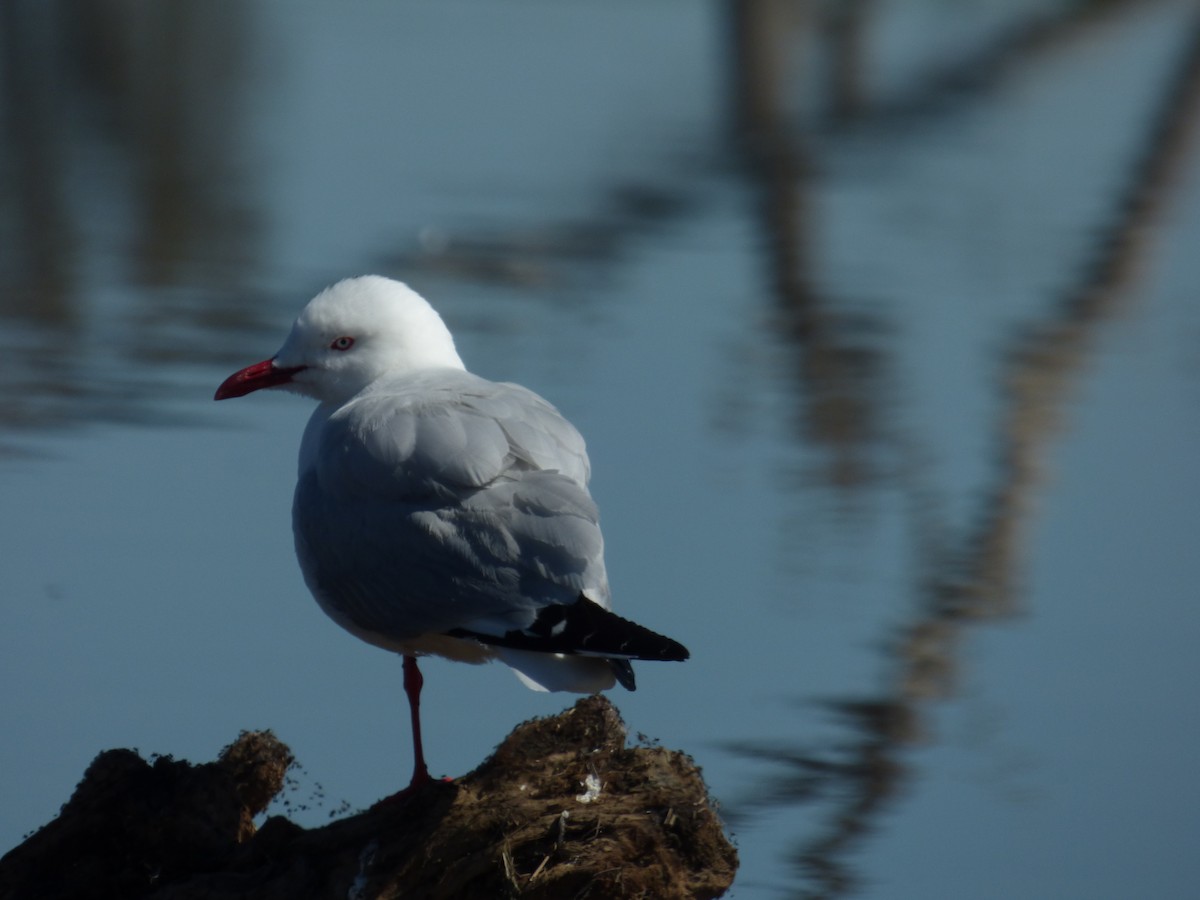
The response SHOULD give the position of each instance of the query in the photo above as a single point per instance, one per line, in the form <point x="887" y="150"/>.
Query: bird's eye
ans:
<point x="342" y="343"/>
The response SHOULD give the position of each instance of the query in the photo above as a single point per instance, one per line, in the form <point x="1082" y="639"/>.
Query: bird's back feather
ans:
<point x="426" y="509"/>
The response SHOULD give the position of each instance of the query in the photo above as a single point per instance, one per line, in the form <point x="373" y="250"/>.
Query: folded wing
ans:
<point x="448" y="502"/>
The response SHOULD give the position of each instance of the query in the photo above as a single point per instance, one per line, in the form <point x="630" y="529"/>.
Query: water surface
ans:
<point x="882" y="332"/>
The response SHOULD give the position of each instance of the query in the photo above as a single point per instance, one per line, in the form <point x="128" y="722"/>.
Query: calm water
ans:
<point x="882" y="330"/>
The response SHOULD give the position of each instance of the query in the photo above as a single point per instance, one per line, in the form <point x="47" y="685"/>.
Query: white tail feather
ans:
<point x="558" y="672"/>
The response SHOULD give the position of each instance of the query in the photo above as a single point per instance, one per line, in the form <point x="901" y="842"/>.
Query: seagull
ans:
<point x="437" y="512"/>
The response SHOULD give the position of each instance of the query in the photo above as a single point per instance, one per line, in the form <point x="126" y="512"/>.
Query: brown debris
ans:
<point x="562" y="809"/>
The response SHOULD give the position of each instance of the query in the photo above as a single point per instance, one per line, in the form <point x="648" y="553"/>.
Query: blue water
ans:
<point x="916" y="487"/>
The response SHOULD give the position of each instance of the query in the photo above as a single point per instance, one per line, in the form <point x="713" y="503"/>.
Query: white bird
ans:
<point x="437" y="512"/>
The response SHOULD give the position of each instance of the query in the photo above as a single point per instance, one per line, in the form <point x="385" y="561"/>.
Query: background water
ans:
<point x="880" y="320"/>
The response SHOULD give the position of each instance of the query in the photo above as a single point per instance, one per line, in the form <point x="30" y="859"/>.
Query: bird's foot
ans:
<point x="420" y="780"/>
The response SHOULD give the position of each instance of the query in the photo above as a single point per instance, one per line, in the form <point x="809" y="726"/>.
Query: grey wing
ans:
<point x="446" y="504"/>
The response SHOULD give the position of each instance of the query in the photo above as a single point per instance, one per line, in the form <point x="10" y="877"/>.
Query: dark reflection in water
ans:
<point x="145" y="104"/>
<point x="843" y="384"/>
<point x="840" y="365"/>
<point x="151" y="101"/>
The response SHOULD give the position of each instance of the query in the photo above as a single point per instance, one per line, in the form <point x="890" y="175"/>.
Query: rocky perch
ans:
<point x="562" y="809"/>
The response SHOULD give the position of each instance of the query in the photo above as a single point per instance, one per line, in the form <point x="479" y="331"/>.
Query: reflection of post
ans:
<point x="163" y="108"/>
<point x="974" y="581"/>
<point x="39" y="255"/>
<point x="837" y="369"/>
<point x="846" y="30"/>
<point x="760" y="31"/>
<point x="1040" y="365"/>
<point x="164" y="82"/>
<point x="126" y="115"/>
<point x="182" y="96"/>
<point x="761" y="36"/>
<point x="977" y="583"/>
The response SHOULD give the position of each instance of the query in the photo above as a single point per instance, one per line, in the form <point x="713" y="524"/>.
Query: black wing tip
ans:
<point x="588" y="629"/>
<point x="673" y="651"/>
<point x="649" y="645"/>
<point x="633" y="641"/>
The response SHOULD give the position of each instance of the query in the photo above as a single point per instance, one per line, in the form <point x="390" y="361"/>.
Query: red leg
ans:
<point x="413" y="682"/>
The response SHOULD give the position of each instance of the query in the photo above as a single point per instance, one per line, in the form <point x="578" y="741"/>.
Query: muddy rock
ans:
<point x="562" y="809"/>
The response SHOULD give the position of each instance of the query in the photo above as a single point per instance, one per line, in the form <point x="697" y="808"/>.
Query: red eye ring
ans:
<point x="343" y="343"/>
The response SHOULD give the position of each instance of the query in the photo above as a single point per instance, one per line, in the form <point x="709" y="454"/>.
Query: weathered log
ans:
<point x="562" y="809"/>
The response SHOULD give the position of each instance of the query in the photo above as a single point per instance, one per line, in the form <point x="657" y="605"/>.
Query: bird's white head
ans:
<point x="347" y="337"/>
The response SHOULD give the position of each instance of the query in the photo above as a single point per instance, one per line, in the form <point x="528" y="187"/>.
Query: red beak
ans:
<point x="252" y="378"/>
